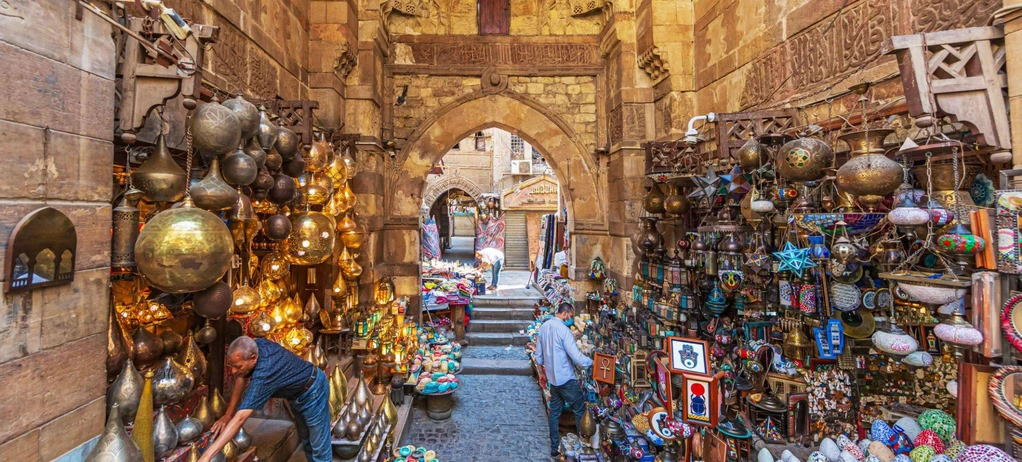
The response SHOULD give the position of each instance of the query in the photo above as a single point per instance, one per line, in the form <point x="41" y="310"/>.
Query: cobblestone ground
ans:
<point x="494" y="418"/>
<point x="494" y="352"/>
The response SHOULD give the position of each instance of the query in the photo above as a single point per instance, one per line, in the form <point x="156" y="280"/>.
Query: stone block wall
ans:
<point x="56" y="132"/>
<point x="459" y="17"/>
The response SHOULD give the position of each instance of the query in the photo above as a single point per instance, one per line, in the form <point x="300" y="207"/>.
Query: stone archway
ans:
<point x="434" y="190"/>
<point x="584" y="185"/>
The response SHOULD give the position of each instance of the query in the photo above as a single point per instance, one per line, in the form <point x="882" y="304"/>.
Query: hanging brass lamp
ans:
<point x="160" y="178"/>
<point x="184" y="249"/>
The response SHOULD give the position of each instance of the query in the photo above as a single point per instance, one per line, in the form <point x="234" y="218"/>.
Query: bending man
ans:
<point x="555" y="353"/>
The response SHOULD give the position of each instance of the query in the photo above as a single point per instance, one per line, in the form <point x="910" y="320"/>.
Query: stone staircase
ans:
<point x="499" y="321"/>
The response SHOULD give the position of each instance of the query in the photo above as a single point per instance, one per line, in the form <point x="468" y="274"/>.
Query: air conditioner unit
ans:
<point x="521" y="167"/>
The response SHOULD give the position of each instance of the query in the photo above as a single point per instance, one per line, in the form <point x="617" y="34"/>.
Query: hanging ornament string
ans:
<point x="188" y="162"/>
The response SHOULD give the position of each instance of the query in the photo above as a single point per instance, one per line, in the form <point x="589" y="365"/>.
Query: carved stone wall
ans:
<point x="458" y="17"/>
<point x="263" y="46"/>
<point x="757" y="55"/>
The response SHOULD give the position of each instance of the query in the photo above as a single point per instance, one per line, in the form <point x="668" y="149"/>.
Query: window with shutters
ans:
<point x="494" y="17"/>
<point x="517" y="147"/>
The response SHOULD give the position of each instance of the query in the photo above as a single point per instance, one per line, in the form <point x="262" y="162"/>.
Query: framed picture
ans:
<point x="689" y="355"/>
<point x="604" y="368"/>
<point x="639" y="377"/>
<point x="700" y="400"/>
<point x="663" y="387"/>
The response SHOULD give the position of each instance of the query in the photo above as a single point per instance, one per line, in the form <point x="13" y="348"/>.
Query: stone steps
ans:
<point x="492" y="301"/>
<point x="502" y="314"/>
<point x="496" y="339"/>
<point x="501" y="326"/>
<point x="478" y="366"/>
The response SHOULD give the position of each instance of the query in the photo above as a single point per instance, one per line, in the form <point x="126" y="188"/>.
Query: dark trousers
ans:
<point x="569" y="393"/>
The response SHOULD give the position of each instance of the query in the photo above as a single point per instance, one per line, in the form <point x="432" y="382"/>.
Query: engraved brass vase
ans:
<point x="287" y="143"/>
<point x="217" y="403"/>
<point x="267" y="133"/>
<point x="165" y="435"/>
<point x="752" y="155"/>
<point x="148" y="347"/>
<point x="239" y="169"/>
<point x="114" y="444"/>
<point x="184" y="249"/>
<point x="171" y="382"/>
<point x="212" y="192"/>
<point x="653" y="202"/>
<point x="204" y="414"/>
<point x="125" y="392"/>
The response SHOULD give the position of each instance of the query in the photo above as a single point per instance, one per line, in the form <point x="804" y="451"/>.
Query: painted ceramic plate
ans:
<point x="1011" y="321"/>
<point x="982" y="191"/>
<point x="884" y="299"/>
<point x="869" y="297"/>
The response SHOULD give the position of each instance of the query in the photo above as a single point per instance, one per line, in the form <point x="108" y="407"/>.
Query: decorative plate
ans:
<point x="982" y="191"/>
<point x="1011" y="320"/>
<point x="845" y="297"/>
<point x="869" y="298"/>
<point x="1002" y="386"/>
<point x="884" y="299"/>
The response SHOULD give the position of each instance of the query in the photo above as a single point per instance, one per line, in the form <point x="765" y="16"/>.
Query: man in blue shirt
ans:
<point x="266" y="370"/>
<point x="555" y="353"/>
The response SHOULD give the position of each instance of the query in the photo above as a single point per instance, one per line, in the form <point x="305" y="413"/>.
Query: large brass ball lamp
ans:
<point x="216" y="130"/>
<point x="868" y="174"/>
<point x="311" y="241"/>
<point x="184" y="249"/>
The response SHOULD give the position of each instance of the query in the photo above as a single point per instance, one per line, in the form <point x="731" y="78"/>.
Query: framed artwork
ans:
<point x="659" y="422"/>
<point x="689" y="356"/>
<point x="700" y="400"/>
<point x="663" y="387"/>
<point x="639" y="377"/>
<point x="604" y="368"/>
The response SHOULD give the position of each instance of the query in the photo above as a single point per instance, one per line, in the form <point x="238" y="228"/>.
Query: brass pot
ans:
<point x="239" y="169"/>
<point x="188" y="429"/>
<point x="804" y="159"/>
<point x="215" y="129"/>
<point x="247" y="114"/>
<point x="125" y="392"/>
<point x="388" y="410"/>
<point x="676" y="204"/>
<point x="172" y="341"/>
<point x="212" y="192"/>
<point x="171" y="382"/>
<point x="311" y="241"/>
<point x="653" y="202"/>
<point x="944" y="175"/>
<point x="114" y="444"/>
<point x="752" y="155"/>
<point x="868" y="172"/>
<point x="148" y="347"/>
<point x="242" y="440"/>
<point x="287" y="143"/>
<point x="193" y="360"/>
<point x="184" y="249"/>
<point x="165" y="435"/>
<point x="160" y="178"/>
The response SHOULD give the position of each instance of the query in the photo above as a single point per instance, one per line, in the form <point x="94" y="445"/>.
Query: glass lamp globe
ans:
<point x="245" y="300"/>
<point x="907" y="213"/>
<point x="894" y="341"/>
<point x="958" y="333"/>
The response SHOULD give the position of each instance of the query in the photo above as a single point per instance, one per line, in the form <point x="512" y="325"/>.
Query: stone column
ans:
<point x="56" y="132"/>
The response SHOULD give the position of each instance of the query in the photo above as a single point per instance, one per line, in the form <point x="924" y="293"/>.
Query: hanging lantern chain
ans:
<point x="188" y="162"/>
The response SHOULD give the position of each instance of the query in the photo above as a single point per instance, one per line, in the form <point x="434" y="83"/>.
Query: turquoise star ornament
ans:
<point x="794" y="259"/>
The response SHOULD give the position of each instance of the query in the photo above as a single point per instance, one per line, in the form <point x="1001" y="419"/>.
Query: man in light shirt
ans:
<point x="555" y="353"/>
<point x="494" y="260"/>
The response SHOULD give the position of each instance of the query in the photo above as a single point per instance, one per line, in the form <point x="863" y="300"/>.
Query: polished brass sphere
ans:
<point x="277" y="227"/>
<point x="239" y="169"/>
<point x="184" y="249"/>
<point x="294" y="167"/>
<point x="247" y="114"/>
<point x="273" y="161"/>
<point x="256" y="152"/>
<point x="263" y="181"/>
<point x="868" y="172"/>
<point x="311" y="241"/>
<point x="283" y="190"/>
<point x="215" y="129"/>
<point x="804" y="159"/>
<point x="287" y="143"/>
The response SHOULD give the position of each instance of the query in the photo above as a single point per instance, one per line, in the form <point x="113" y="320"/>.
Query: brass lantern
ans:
<point x="384" y="292"/>
<point x="868" y="174"/>
<point x="311" y="241"/>
<point x="804" y="159"/>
